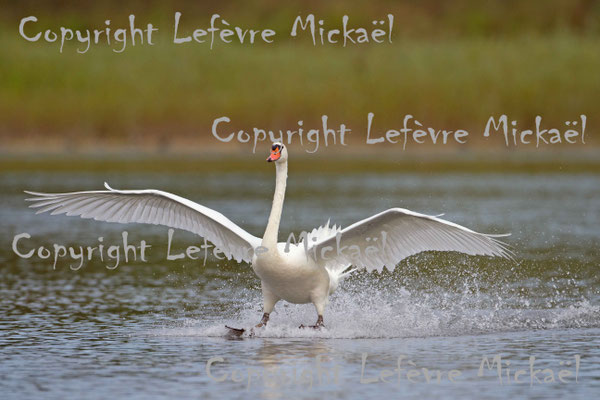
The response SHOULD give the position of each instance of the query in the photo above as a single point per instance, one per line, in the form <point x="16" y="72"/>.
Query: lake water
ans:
<point x="147" y="329"/>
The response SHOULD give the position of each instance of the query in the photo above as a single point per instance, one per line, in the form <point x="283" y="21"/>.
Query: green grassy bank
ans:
<point x="166" y="90"/>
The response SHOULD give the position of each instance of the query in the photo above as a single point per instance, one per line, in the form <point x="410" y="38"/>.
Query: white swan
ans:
<point x="307" y="272"/>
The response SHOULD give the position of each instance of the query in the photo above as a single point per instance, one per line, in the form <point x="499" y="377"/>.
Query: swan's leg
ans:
<point x="319" y="323"/>
<point x="320" y="306"/>
<point x="269" y="301"/>
<point x="263" y="321"/>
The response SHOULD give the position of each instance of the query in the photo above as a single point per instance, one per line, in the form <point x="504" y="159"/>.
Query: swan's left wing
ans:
<point x="390" y="236"/>
<point x="152" y="207"/>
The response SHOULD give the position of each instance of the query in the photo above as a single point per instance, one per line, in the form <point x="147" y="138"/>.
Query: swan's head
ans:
<point x="278" y="153"/>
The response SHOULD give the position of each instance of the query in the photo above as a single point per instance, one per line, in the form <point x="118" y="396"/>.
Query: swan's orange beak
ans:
<point x="275" y="154"/>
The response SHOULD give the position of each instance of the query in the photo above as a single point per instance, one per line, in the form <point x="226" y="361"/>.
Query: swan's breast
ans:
<point x="291" y="275"/>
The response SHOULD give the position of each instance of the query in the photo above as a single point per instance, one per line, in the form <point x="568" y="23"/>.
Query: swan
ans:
<point x="305" y="272"/>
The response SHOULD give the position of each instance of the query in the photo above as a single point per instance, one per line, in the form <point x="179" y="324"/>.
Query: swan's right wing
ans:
<point x="152" y="207"/>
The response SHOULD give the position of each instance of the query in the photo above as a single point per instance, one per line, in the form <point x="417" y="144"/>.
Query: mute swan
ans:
<point x="306" y="272"/>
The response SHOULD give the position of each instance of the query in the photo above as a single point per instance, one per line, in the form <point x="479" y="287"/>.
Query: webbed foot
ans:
<point x="318" y="325"/>
<point x="235" y="331"/>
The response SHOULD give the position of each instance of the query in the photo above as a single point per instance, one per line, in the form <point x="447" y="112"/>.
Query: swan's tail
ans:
<point x="344" y="274"/>
<point x="337" y="274"/>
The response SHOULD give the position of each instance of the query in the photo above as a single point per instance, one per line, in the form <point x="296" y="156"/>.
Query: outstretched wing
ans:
<point x="388" y="237"/>
<point x="152" y="207"/>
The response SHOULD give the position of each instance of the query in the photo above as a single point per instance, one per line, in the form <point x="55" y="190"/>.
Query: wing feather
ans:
<point x="406" y="233"/>
<point x="151" y="207"/>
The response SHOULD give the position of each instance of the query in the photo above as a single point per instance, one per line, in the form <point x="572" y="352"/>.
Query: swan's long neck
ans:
<point x="270" y="238"/>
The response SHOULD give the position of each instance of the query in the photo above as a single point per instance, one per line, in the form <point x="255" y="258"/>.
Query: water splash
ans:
<point x="371" y="306"/>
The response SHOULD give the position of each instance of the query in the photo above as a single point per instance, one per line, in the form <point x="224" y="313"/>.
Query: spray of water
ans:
<point x="424" y="300"/>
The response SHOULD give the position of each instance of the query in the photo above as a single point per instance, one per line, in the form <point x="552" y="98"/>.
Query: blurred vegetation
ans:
<point x="451" y="64"/>
<point x="416" y="19"/>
